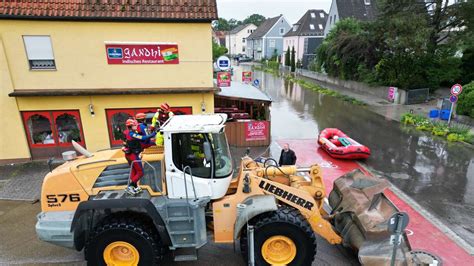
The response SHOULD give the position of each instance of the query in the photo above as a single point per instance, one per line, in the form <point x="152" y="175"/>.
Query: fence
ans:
<point x="236" y="135"/>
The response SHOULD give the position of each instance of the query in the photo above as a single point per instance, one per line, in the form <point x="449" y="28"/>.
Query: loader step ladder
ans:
<point x="185" y="254"/>
<point x="186" y="222"/>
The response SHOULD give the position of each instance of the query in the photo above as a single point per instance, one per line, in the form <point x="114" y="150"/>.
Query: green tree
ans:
<point x="293" y="61"/>
<point x="403" y="47"/>
<point x="287" y="57"/>
<point x="221" y="25"/>
<point x="466" y="100"/>
<point x="233" y="23"/>
<point x="256" y="19"/>
<point x="465" y="40"/>
<point x="347" y="50"/>
<point x="217" y="50"/>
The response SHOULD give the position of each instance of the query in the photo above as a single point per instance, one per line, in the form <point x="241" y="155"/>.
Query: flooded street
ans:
<point x="438" y="175"/>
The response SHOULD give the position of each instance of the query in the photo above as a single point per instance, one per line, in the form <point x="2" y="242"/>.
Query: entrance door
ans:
<point x="50" y="133"/>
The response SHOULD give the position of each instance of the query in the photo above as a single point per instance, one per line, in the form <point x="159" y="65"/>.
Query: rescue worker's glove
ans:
<point x="154" y="120"/>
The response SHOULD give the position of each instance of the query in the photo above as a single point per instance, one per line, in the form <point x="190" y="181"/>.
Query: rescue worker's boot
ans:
<point x="131" y="190"/>
<point x="138" y="189"/>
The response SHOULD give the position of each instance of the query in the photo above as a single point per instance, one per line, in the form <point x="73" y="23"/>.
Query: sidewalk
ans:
<point x="22" y="181"/>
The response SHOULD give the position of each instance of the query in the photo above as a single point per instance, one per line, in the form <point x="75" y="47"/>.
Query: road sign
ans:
<point x="398" y="221"/>
<point x="453" y="98"/>
<point x="223" y="63"/>
<point x="256" y="82"/>
<point x="456" y="89"/>
<point x="396" y="224"/>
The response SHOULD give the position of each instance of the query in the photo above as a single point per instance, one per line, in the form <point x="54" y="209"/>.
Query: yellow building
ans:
<point x="76" y="70"/>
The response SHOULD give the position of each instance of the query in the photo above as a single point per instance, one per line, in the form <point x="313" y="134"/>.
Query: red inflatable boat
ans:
<point x="339" y="145"/>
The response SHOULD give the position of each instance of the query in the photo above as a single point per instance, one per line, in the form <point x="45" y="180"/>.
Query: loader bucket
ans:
<point x="360" y="215"/>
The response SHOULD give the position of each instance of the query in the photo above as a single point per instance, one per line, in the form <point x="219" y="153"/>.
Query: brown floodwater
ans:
<point x="438" y="175"/>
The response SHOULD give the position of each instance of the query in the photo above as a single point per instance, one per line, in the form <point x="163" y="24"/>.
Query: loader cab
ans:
<point x="197" y="156"/>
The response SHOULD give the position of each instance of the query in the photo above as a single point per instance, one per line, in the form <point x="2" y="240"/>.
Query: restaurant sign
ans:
<point x="256" y="130"/>
<point x="142" y="54"/>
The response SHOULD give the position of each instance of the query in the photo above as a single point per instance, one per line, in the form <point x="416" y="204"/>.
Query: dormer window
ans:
<point x="321" y="15"/>
<point x="311" y="26"/>
<point x="295" y="27"/>
<point x="313" y="15"/>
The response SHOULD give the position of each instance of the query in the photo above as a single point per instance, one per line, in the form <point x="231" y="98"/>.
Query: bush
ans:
<point x="466" y="100"/>
<point x="273" y="65"/>
<point x="453" y="137"/>
<point x="440" y="129"/>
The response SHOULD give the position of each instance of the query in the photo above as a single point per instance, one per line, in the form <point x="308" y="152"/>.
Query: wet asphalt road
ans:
<point x="437" y="174"/>
<point x="20" y="246"/>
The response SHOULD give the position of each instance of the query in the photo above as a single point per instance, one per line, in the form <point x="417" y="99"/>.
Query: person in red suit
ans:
<point x="132" y="149"/>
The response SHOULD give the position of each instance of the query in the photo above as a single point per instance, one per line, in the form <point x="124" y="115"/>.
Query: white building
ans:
<point x="235" y="40"/>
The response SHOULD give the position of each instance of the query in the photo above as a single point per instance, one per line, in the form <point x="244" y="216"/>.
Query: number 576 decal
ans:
<point x="63" y="198"/>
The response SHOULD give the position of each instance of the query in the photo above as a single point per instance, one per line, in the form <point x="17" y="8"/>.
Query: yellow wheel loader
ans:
<point x="189" y="189"/>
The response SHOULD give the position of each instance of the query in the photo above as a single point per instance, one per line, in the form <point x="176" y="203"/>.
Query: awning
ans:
<point x="92" y="92"/>
<point x="243" y="91"/>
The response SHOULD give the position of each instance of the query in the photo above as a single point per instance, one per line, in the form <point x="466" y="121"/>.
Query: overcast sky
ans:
<point x="292" y="9"/>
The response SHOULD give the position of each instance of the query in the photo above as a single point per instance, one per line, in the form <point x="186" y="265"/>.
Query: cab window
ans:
<point x="188" y="151"/>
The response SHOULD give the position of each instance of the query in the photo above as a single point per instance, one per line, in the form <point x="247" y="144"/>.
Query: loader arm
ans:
<point x="356" y="217"/>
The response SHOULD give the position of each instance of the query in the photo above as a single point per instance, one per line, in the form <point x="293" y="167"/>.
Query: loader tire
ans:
<point x="124" y="239"/>
<point x="284" y="227"/>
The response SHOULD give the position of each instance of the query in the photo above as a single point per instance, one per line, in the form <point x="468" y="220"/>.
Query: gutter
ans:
<point x="92" y="92"/>
<point x="110" y="19"/>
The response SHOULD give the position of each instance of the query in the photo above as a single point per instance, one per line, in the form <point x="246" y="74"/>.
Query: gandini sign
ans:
<point x="256" y="130"/>
<point x="142" y="53"/>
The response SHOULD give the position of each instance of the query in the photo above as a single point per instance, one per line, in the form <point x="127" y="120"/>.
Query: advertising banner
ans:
<point x="256" y="130"/>
<point x="142" y="54"/>
<point x="223" y="79"/>
<point x="246" y="77"/>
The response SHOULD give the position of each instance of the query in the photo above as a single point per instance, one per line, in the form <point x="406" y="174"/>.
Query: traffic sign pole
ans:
<point x="451" y="113"/>
<point x="397" y="223"/>
<point x="456" y="89"/>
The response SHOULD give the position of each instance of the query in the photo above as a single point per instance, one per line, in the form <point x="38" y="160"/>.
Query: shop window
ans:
<point x="53" y="128"/>
<point x="116" y="119"/>
<point x="67" y="127"/>
<point x="39" y="52"/>
<point x="117" y="124"/>
<point x="40" y="129"/>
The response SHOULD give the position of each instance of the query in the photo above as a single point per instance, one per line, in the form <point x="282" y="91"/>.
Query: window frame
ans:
<point x="51" y="116"/>
<point x="77" y="115"/>
<point x="30" y="64"/>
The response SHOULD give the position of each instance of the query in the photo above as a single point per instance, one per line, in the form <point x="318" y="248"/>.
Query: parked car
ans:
<point x="245" y="58"/>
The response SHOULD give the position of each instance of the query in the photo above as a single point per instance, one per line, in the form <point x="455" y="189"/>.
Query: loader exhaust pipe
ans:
<point x="81" y="149"/>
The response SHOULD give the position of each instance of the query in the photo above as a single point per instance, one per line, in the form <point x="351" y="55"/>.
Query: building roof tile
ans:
<point x="126" y="10"/>
<point x="304" y="24"/>
<point x="264" y="28"/>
